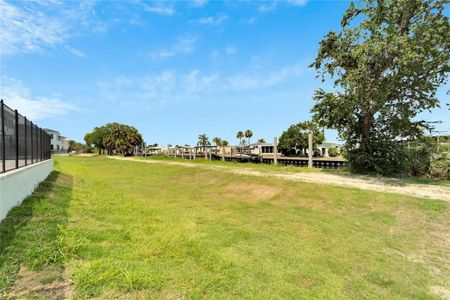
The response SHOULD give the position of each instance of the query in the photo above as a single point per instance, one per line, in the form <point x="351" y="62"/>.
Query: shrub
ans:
<point x="333" y="152"/>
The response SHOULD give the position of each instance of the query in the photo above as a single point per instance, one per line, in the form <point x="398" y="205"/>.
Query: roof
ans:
<point x="51" y="130"/>
<point x="262" y="144"/>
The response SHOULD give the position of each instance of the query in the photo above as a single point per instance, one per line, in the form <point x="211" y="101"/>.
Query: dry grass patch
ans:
<point x="47" y="283"/>
<point x="251" y="192"/>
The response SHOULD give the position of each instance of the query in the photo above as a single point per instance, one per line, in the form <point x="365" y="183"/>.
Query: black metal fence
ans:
<point x="22" y="143"/>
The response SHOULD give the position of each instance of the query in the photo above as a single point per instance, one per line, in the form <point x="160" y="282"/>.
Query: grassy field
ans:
<point x="105" y="228"/>
<point x="294" y="169"/>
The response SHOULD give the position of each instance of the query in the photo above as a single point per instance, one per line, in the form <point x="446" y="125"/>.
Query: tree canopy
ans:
<point x="296" y="137"/>
<point x="115" y="138"/>
<point x="203" y="140"/>
<point x="386" y="65"/>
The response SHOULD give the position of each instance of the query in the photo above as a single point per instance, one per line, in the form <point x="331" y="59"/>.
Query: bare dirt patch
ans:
<point x="441" y="292"/>
<point x="47" y="283"/>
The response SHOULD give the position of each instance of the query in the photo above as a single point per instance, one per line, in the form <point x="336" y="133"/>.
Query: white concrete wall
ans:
<point x="17" y="184"/>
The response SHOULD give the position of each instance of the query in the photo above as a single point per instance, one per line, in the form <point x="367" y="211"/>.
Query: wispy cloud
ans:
<point x="251" y="20"/>
<point x="76" y="52"/>
<point x="268" y="6"/>
<point x="230" y="50"/>
<point x="161" y="9"/>
<point x="157" y="89"/>
<point x="261" y="80"/>
<point x="169" y="87"/>
<point x="199" y="3"/>
<point x="34" y="26"/>
<point x="184" y="45"/>
<point x="213" y="21"/>
<point x="28" y="30"/>
<point x="33" y="107"/>
<point x="297" y="2"/>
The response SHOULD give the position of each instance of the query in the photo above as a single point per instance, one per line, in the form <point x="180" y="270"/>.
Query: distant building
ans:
<point x="325" y="146"/>
<point x="58" y="142"/>
<point x="262" y="149"/>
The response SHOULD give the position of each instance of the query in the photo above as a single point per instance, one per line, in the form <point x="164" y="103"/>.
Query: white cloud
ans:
<point x="76" y="52"/>
<point x="158" y="89"/>
<point x="170" y="86"/>
<point x="213" y="21"/>
<point x="199" y="3"/>
<point x="251" y="20"/>
<point x="195" y="82"/>
<point x="267" y="6"/>
<point x="161" y="9"/>
<point x="297" y="2"/>
<point x="266" y="80"/>
<point x="28" y="31"/>
<point x="34" y="108"/>
<point x="230" y="50"/>
<point x="34" y="26"/>
<point x="184" y="45"/>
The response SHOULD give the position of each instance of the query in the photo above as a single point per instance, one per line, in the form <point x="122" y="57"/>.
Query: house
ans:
<point x="266" y="149"/>
<point x="325" y="146"/>
<point x="58" y="143"/>
<point x="153" y="150"/>
<point x="263" y="149"/>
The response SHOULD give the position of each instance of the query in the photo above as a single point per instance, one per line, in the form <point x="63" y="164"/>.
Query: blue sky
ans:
<point x="171" y="69"/>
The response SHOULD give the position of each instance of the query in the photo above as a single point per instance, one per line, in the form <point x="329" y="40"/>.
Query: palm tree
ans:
<point x="261" y="141"/>
<point x="225" y="143"/>
<point x="240" y="136"/>
<point x="217" y="141"/>
<point x="248" y="134"/>
<point x="203" y="141"/>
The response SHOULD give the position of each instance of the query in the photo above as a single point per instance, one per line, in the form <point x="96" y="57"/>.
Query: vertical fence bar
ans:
<point x="16" y="116"/>
<point x="46" y="145"/>
<point x="40" y="144"/>
<point x="3" y="136"/>
<point x="26" y="141"/>
<point x="32" y="141"/>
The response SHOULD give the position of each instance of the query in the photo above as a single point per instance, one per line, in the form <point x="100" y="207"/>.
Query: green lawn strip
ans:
<point x="160" y="230"/>
<point x="31" y="235"/>
<point x="294" y="169"/>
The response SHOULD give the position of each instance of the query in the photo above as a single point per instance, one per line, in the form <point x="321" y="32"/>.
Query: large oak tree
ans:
<point x="386" y="65"/>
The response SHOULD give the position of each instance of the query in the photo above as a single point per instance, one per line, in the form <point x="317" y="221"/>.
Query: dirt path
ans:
<point x="390" y="185"/>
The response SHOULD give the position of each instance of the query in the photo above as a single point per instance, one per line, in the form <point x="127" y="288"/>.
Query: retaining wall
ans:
<point x="16" y="185"/>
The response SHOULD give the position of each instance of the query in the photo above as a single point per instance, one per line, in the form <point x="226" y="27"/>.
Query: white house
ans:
<point x="58" y="142"/>
<point x="267" y="148"/>
<point x="262" y="149"/>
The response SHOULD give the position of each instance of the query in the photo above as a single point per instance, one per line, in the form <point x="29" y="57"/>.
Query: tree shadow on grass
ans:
<point x="29" y="238"/>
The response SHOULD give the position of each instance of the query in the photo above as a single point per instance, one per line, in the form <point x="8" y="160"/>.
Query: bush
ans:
<point x="381" y="157"/>
<point x="421" y="158"/>
<point x="424" y="158"/>
<point x="333" y="152"/>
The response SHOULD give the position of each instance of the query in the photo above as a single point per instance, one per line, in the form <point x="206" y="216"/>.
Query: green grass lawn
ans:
<point x="295" y="169"/>
<point x="105" y="228"/>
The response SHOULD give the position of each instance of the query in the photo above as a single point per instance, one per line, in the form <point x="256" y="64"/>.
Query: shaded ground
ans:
<point x="390" y="185"/>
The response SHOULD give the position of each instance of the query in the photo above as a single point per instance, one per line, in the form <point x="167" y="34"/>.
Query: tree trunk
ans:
<point x="366" y="129"/>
